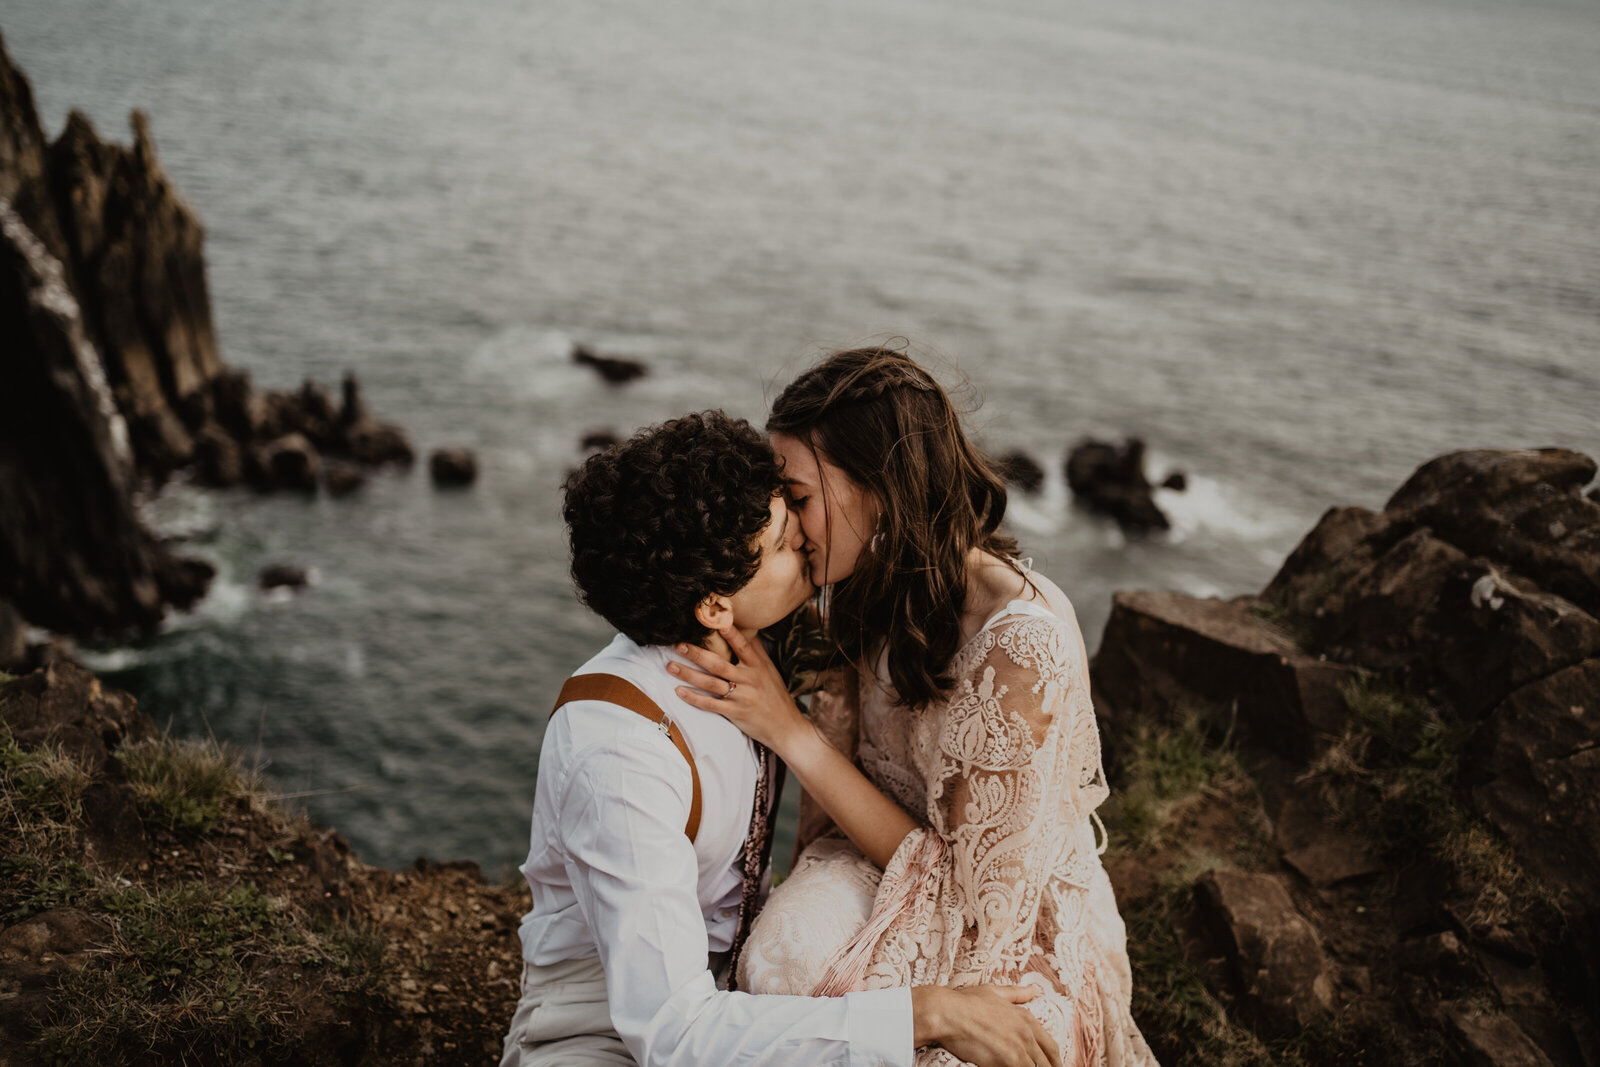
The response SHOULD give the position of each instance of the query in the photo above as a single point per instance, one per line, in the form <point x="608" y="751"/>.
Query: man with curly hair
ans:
<point x="652" y="818"/>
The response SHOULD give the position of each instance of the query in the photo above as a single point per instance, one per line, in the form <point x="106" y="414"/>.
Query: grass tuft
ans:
<point x="181" y="784"/>
<point x="1394" y="775"/>
<point x="195" y="971"/>
<point x="41" y="807"/>
<point x="1185" y="1022"/>
<point x="1164" y="769"/>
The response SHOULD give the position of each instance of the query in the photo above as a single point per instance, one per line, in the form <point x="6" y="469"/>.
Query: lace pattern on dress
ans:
<point x="1003" y="882"/>
<point x="1007" y="773"/>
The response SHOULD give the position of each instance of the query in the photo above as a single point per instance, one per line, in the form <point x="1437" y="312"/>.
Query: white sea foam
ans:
<point x="114" y="660"/>
<point x="1214" y="508"/>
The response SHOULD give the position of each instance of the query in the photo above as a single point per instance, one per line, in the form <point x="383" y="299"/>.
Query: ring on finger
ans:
<point x="731" y="687"/>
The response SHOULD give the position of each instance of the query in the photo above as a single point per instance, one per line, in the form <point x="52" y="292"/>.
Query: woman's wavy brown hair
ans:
<point x="883" y="420"/>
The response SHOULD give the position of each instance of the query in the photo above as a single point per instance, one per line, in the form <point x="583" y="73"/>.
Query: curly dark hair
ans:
<point x="667" y="518"/>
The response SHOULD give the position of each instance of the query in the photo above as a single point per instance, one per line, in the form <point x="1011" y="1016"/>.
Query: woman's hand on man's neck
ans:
<point x="715" y="642"/>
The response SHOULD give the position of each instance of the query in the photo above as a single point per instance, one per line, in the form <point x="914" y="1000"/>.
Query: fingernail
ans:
<point x="683" y="650"/>
<point x="673" y="667"/>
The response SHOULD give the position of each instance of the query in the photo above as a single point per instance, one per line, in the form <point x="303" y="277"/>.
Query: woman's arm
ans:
<point x="760" y="705"/>
<point x="835" y="709"/>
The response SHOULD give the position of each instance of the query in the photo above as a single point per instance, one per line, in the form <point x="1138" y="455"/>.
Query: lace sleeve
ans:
<point x="1017" y="777"/>
<point x="1012" y="765"/>
<point x="835" y="710"/>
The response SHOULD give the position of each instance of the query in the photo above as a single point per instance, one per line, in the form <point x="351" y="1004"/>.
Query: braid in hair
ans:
<point x="882" y="420"/>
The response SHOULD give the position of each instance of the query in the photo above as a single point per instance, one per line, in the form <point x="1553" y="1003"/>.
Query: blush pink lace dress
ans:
<point x="1003" y="881"/>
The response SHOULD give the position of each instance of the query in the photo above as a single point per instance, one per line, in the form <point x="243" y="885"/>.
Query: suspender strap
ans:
<point x="624" y="694"/>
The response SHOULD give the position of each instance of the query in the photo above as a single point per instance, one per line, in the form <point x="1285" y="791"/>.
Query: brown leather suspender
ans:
<point x="624" y="694"/>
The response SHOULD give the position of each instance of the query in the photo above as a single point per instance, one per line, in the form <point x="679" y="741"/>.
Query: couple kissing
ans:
<point x="948" y="904"/>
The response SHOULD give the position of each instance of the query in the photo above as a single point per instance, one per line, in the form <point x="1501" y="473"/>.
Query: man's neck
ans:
<point x="715" y="642"/>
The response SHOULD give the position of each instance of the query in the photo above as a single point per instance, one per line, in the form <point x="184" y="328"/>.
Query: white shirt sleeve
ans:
<point x="634" y="874"/>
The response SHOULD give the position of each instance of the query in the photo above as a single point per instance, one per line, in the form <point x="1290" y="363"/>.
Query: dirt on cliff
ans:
<point x="159" y="905"/>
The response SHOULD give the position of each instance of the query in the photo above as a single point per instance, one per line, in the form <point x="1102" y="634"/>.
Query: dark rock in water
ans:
<point x="290" y="462"/>
<point x="1167" y="653"/>
<point x="342" y="479"/>
<point x="352" y="406"/>
<point x="378" y="443"/>
<point x="316" y="415"/>
<point x="1276" y="959"/>
<point x="1022" y="471"/>
<point x="598" y="440"/>
<point x="184" y="581"/>
<point x="283" y="575"/>
<point x="453" y="466"/>
<point x="1110" y="479"/>
<point x="218" y="461"/>
<point x="613" y="369"/>
<point x="1177" y="481"/>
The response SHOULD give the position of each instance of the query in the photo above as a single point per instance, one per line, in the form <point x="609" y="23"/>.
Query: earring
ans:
<point x="875" y="542"/>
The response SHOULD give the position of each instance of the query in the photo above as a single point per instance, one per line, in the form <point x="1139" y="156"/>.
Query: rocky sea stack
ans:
<point x="113" y="381"/>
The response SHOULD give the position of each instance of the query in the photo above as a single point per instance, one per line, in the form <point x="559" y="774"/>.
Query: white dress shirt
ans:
<point x="613" y="875"/>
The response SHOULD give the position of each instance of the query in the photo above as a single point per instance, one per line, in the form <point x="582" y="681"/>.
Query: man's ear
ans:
<point x="715" y="612"/>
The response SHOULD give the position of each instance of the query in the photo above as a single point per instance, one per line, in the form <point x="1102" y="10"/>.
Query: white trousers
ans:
<point x="563" y="1020"/>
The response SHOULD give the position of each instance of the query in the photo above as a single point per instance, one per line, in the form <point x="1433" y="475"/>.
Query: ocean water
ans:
<point x="1300" y="245"/>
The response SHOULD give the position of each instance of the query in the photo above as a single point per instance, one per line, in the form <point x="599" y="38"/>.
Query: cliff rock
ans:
<point x="114" y="381"/>
<point x="1413" y="708"/>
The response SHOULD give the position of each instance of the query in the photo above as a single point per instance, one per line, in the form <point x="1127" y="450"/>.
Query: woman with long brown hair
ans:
<point x="954" y="745"/>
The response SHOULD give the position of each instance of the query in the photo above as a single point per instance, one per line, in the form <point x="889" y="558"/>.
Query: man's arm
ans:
<point x="635" y="874"/>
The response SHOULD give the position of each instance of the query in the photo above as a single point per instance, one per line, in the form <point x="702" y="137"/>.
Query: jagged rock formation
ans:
<point x="1416" y="695"/>
<point x="113" y="380"/>
<point x="73" y="554"/>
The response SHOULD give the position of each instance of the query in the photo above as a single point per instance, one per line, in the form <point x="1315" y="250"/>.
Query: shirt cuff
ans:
<point x="879" y="1024"/>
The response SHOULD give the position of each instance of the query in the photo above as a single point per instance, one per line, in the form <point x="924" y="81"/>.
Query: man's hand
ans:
<point x="984" y="1025"/>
